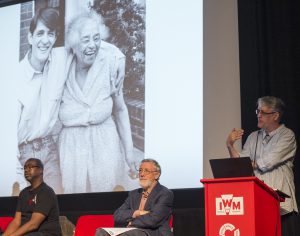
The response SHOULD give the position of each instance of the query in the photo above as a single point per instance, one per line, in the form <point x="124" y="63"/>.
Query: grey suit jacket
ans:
<point x="159" y="203"/>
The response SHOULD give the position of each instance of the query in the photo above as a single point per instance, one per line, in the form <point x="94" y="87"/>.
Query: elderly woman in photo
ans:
<point x="96" y="142"/>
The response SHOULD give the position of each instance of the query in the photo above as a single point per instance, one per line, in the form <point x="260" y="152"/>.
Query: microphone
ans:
<point x="254" y="158"/>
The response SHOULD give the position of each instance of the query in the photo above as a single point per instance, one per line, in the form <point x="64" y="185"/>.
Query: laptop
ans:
<point x="231" y="167"/>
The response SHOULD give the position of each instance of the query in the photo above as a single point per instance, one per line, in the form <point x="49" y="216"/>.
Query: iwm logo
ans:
<point x="229" y="205"/>
<point x="227" y="228"/>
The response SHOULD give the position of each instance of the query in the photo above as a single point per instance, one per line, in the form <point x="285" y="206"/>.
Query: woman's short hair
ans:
<point x="48" y="16"/>
<point x="72" y="33"/>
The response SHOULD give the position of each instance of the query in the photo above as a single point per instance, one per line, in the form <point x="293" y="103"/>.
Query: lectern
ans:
<point x="241" y="207"/>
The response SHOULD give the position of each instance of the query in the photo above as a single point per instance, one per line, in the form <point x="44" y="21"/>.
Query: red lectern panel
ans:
<point x="240" y="207"/>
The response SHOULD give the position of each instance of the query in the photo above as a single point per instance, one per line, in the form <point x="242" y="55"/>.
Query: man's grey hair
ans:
<point x="274" y="103"/>
<point x="72" y="33"/>
<point x="154" y="162"/>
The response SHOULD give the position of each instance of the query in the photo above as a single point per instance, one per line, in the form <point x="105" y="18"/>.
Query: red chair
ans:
<point x="87" y="224"/>
<point x="4" y="222"/>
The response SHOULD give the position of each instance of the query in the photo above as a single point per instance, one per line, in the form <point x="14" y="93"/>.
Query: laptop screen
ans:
<point x="231" y="167"/>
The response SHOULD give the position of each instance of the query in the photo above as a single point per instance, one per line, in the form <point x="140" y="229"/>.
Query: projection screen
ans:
<point x="162" y="91"/>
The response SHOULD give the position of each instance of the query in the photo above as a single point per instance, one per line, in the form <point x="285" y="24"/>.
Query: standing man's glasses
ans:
<point x="257" y="111"/>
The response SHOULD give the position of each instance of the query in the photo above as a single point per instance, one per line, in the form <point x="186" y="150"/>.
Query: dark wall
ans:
<point x="269" y="44"/>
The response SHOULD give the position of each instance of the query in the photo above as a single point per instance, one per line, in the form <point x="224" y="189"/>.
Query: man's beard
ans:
<point x="145" y="184"/>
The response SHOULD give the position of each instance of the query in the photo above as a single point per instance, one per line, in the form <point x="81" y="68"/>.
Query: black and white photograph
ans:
<point x="81" y="93"/>
<point x="76" y="80"/>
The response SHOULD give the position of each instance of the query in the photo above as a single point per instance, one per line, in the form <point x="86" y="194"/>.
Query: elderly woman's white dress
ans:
<point x="91" y="155"/>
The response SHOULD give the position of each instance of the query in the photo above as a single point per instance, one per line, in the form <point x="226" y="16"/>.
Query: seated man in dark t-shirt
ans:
<point x="37" y="211"/>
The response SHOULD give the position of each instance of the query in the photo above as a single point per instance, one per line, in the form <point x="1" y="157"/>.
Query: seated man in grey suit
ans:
<point x="148" y="208"/>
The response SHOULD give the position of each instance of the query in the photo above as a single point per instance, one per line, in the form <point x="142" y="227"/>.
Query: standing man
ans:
<point x="272" y="150"/>
<point x="37" y="210"/>
<point x="41" y="83"/>
<point x="149" y="208"/>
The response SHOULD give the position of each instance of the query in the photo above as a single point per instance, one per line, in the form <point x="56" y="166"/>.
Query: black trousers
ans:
<point x="34" y="234"/>
<point x="290" y="224"/>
